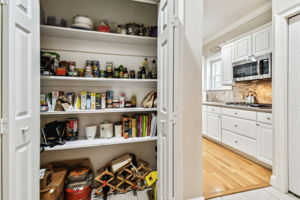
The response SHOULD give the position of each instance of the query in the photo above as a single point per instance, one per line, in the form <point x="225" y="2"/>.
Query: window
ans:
<point x="214" y="73"/>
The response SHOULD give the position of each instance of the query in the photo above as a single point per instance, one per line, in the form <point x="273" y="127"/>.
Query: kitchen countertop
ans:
<point x="223" y="104"/>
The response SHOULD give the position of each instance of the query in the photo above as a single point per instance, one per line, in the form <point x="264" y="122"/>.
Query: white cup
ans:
<point x="90" y="132"/>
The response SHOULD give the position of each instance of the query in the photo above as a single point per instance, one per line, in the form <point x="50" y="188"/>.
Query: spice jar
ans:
<point x="122" y="99"/>
<point x="116" y="73"/>
<point x="132" y="74"/>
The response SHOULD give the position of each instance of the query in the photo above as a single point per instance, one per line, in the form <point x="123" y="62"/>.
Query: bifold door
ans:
<point x="294" y="105"/>
<point x="21" y="69"/>
<point x="166" y="100"/>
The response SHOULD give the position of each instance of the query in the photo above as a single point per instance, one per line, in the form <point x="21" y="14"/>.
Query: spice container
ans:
<point x="103" y="100"/>
<point x="122" y="99"/>
<point x="126" y="75"/>
<point x="98" y="101"/>
<point x="128" y="104"/>
<point x="132" y="74"/>
<point x="109" y="70"/>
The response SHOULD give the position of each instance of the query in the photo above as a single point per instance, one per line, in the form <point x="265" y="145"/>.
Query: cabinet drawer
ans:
<point x="240" y="126"/>
<point x="204" y="108"/>
<point x="264" y="118"/>
<point x="239" y="142"/>
<point x="214" y="109"/>
<point x="245" y="114"/>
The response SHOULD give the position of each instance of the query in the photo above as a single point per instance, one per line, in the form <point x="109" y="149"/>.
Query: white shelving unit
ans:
<point x="70" y="33"/>
<point x="83" y="81"/>
<point x="99" y="142"/>
<point x="103" y="111"/>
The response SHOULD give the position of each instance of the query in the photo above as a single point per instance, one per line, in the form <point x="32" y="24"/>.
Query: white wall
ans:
<point x="187" y="99"/>
<point x="249" y="26"/>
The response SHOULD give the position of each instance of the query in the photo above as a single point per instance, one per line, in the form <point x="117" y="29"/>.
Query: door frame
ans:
<point x="279" y="179"/>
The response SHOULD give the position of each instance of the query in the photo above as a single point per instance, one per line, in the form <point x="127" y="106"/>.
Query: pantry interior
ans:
<point x="82" y="45"/>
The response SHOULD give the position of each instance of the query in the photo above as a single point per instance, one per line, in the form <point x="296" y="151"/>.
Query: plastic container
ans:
<point x="90" y="132"/>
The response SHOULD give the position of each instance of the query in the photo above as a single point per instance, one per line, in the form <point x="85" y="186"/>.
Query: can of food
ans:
<point x="116" y="103"/>
<point x="72" y="125"/>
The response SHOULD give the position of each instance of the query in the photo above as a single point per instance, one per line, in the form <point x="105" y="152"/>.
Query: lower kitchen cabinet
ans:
<point x="204" y="123"/>
<point x="214" y="126"/>
<point x="265" y="143"/>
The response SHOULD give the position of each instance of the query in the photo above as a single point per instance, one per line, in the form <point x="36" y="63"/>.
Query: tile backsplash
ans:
<point x="263" y="89"/>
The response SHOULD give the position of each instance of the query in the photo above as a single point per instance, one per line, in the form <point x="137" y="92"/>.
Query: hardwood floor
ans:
<point x="268" y="193"/>
<point x="226" y="172"/>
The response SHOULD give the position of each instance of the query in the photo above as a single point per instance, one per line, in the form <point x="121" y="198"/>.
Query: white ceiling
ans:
<point x="219" y="14"/>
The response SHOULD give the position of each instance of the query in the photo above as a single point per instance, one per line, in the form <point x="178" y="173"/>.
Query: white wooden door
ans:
<point x="21" y="69"/>
<point x="265" y="143"/>
<point x="242" y="48"/>
<point x="1" y="115"/>
<point x="261" y="42"/>
<point x="166" y="101"/>
<point x="214" y="126"/>
<point x="227" y="60"/>
<point x="294" y="105"/>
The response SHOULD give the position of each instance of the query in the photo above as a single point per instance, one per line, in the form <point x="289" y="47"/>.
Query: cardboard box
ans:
<point x="56" y="187"/>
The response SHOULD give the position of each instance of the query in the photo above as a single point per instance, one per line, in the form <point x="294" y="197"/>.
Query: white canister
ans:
<point x="106" y="130"/>
<point x="90" y="132"/>
<point x="118" y="129"/>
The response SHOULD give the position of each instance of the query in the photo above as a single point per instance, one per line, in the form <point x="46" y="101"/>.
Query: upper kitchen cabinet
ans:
<point x="261" y="42"/>
<point x="227" y="60"/>
<point x="242" y="48"/>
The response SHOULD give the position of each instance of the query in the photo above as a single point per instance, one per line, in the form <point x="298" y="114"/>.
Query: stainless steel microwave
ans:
<point x="253" y="69"/>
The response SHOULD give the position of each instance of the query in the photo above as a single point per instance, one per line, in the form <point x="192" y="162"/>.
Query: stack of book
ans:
<point x="139" y="125"/>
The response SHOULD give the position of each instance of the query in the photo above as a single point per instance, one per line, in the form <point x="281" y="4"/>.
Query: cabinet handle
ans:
<point x="235" y="113"/>
<point x="268" y="118"/>
<point x="25" y="129"/>
<point x="236" y="142"/>
<point x="257" y="124"/>
<point x="236" y="125"/>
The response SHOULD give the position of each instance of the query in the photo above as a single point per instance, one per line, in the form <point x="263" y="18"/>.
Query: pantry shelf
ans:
<point x="102" y="111"/>
<point x="70" y="33"/>
<point x="83" y="81"/>
<point x="99" y="142"/>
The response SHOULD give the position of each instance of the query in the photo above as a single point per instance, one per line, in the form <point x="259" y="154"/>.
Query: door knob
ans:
<point x="25" y="129"/>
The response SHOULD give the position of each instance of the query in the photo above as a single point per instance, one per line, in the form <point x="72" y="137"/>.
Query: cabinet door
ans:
<point x="265" y="143"/>
<point x="214" y="126"/>
<point x="261" y="42"/>
<point x="204" y="123"/>
<point x="242" y="48"/>
<point x="227" y="59"/>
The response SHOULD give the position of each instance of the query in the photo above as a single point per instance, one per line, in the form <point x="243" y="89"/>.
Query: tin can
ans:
<point x="72" y="125"/>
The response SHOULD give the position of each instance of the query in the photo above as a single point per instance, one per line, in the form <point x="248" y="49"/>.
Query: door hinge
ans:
<point x="174" y="21"/>
<point x="3" y="126"/>
<point x="173" y="118"/>
<point x="3" y="2"/>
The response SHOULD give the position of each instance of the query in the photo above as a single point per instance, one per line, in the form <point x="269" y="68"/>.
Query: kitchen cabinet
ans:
<point x="227" y="60"/>
<point x="265" y="143"/>
<point x="214" y="126"/>
<point x="242" y="48"/>
<point x="261" y="42"/>
<point x="204" y="122"/>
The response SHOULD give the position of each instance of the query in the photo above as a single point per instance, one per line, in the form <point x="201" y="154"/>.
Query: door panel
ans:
<point x="214" y="126"/>
<point x="21" y="99"/>
<point x="294" y="105"/>
<point x="227" y="59"/>
<point x="166" y="102"/>
<point x="261" y="42"/>
<point x="265" y="143"/>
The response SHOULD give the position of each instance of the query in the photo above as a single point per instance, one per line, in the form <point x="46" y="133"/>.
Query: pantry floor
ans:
<point x="226" y="172"/>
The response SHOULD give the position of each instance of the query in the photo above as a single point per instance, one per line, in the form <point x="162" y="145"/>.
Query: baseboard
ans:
<point x="198" y="198"/>
<point x="273" y="180"/>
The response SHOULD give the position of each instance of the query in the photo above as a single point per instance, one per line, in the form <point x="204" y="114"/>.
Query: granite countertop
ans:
<point x="223" y="104"/>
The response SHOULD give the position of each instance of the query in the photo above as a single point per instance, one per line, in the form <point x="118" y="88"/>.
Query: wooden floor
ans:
<point x="226" y="172"/>
<point x="268" y="193"/>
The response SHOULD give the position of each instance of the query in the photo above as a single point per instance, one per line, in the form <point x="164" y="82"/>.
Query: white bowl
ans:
<point x="83" y="20"/>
